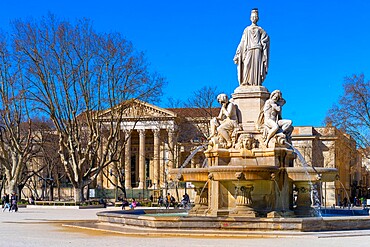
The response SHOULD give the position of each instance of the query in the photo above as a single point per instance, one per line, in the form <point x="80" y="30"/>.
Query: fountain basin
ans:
<point x="224" y="173"/>
<point x="253" y="190"/>
<point x="300" y="174"/>
<point x="256" y="157"/>
<point x="235" y="173"/>
<point x="138" y="219"/>
<point x="190" y="174"/>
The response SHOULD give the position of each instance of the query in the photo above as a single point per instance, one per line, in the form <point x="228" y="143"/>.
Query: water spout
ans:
<point x="316" y="199"/>
<point x="188" y="159"/>
<point x="205" y="163"/>
<point x="303" y="161"/>
<point x="202" y="198"/>
<point x="192" y="155"/>
<point x="279" y="194"/>
<point x="342" y="185"/>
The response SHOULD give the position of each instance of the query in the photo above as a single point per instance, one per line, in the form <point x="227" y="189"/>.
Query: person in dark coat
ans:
<point x="14" y="201"/>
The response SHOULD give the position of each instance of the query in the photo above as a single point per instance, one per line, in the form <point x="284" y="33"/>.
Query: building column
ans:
<point x="162" y="165"/>
<point x="141" y="159"/>
<point x="128" y="159"/>
<point x="171" y="146"/>
<point x="156" y="173"/>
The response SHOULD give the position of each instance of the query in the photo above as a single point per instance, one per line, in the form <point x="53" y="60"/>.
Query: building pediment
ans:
<point x="137" y="110"/>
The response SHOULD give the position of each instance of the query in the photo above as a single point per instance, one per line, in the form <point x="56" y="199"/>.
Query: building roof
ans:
<point x="195" y="112"/>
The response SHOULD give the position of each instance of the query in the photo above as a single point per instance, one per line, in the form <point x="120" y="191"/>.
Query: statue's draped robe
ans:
<point x="252" y="56"/>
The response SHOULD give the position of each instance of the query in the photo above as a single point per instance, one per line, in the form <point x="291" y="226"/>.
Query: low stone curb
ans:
<point x="66" y="207"/>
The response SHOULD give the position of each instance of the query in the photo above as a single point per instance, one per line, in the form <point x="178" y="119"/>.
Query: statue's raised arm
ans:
<point x="252" y="54"/>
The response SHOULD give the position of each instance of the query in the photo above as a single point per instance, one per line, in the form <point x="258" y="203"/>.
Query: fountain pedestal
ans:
<point x="244" y="202"/>
<point x="252" y="98"/>
<point x="304" y="200"/>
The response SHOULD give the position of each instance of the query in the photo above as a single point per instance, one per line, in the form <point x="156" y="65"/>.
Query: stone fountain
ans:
<point x="251" y="183"/>
<point x="250" y="158"/>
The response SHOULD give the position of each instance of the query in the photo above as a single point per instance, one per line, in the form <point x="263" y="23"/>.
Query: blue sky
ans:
<point x="314" y="43"/>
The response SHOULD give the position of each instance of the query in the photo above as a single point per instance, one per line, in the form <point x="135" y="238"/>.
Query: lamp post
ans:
<point x="118" y="176"/>
<point x="165" y="180"/>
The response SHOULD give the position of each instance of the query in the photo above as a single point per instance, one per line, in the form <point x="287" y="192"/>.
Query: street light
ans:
<point x="165" y="180"/>
<point x="122" y="175"/>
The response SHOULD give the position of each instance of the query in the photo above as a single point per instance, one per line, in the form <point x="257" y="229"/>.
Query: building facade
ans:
<point x="328" y="147"/>
<point x="160" y="139"/>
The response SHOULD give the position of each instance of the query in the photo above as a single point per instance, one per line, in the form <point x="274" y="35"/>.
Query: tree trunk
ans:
<point x="2" y="186"/>
<point x="58" y="188"/>
<point x="78" y="194"/>
<point x="43" y="190"/>
<point x="88" y="192"/>
<point x="123" y="189"/>
<point x="51" y="193"/>
<point x="12" y="187"/>
<point x="19" y="189"/>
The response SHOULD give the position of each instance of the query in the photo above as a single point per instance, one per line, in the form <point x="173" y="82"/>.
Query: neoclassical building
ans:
<point x="156" y="141"/>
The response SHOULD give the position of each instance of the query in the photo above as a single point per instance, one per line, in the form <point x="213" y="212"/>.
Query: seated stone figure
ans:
<point x="273" y="124"/>
<point x="225" y="124"/>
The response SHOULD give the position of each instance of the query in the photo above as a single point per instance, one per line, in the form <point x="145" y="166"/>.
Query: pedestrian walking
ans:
<point x="6" y="202"/>
<point x="13" y="201"/>
<point x="160" y="201"/>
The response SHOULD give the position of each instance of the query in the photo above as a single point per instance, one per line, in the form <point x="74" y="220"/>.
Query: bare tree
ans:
<point x="16" y="138"/>
<point x="46" y="166"/>
<point x="85" y="81"/>
<point x="203" y="100"/>
<point x="174" y="103"/>
<point x="352" y="112"/>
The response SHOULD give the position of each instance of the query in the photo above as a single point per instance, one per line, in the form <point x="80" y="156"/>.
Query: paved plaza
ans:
<point x="44" y="227"/>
